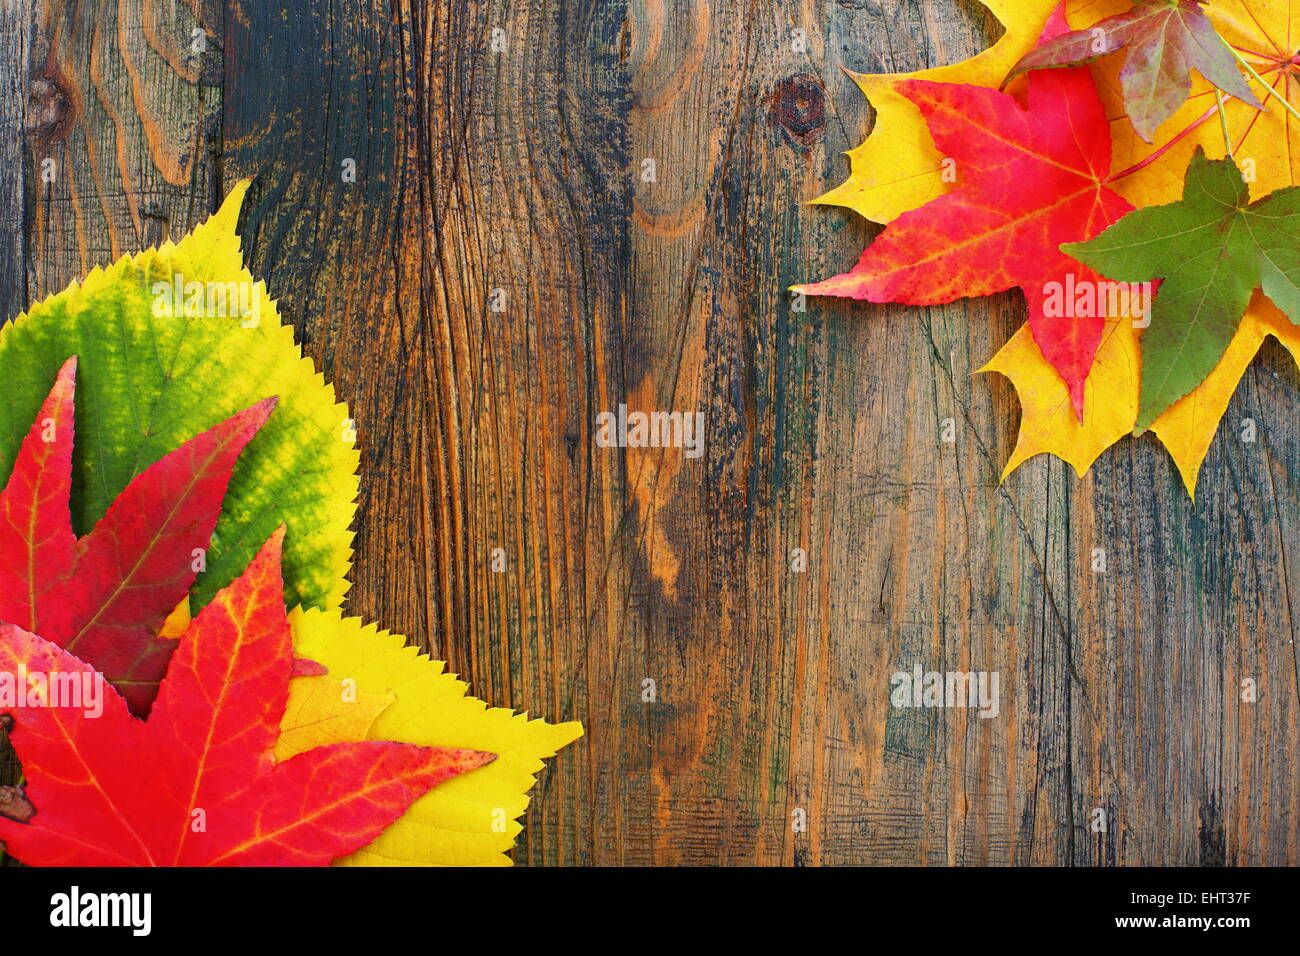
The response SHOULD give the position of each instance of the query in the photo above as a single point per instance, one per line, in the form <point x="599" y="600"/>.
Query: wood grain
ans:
<point x="522" y="169"/>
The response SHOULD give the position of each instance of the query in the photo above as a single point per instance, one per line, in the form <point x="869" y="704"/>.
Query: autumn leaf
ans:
<point x="1047" y="419"/>
<point x="469" y="821"/>
<point x="1165" y="41"/>
<point x="1030" y="176"/>
<point x="1047" y="426"/>
<point x="1188" y="428"/>
<point x="1267" y="141"/>
<point x="1213" y="249"/>
<point x="196" y="784"/>
<point x="1268" y="146"/>
<point x="172" y="341"/>
<point x="898" y="167"/>
<point x="322" y="710"/>
<point x="107" y="595"/>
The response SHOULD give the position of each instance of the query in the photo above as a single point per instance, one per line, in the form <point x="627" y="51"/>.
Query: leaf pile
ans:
<point x="1190" y="192"/>
<point x="1031" y="180"/>
<point x="149" y="381"/>
<point x="248" y="733"/>
<point x="215" y="796"/>
<point x="107" y="595"/>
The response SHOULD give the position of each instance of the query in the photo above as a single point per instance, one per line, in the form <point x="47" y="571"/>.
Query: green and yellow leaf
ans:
<point x="154" y="373"/>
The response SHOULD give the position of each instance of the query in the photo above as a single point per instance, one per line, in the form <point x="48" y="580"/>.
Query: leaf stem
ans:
<point x="1165" y="148"/>
<point x="1268" y="88"/>
<point x="1223" y="124"/>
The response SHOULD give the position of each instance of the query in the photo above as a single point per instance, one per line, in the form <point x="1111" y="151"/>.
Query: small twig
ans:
<point x="1223" y="123"/>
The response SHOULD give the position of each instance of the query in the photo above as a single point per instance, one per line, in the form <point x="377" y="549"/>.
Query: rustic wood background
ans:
<point x="520" y="170"/>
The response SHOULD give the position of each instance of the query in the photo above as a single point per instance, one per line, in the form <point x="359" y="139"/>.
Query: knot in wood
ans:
<point x="798" y="106"/>
<point x="48" y="110"/>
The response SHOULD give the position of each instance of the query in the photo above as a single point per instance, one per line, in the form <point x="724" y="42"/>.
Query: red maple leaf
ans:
<point x="1030" y="178"/>
<point x="105" y="596"/>
<point x="197" y="784"/>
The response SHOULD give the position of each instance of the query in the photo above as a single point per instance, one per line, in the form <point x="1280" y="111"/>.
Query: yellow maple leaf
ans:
<point x="1270" y="142"/>
<point x="1047" y="419"/>
<point x="471" y="820"/>
<point x="898" y="168"/>
<point x="322" y="710"/>
<point x="1186" y="428"/>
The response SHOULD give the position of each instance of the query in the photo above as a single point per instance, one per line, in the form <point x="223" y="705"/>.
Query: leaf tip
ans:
<point x="235" y="198"/>
<point x="263" y="409"/>
<point x="1076" y="399"/>
<point x="1072" y="249"/>
<point x="249" y="422"/>
<point x="226" y="217"/>
<point x="305" y="667"/>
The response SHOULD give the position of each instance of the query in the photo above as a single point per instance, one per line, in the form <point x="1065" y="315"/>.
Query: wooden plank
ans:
<point x="1199" y="600"/>
<point x="14" y="48"/>
<point x="744" y="652"/>
<point x="123" y="99"/>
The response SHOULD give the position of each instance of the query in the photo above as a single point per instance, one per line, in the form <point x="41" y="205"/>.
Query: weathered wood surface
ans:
<point x="520" y="170"/>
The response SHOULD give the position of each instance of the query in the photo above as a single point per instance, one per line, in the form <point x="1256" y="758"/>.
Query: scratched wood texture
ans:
<point x="521" y="170"/>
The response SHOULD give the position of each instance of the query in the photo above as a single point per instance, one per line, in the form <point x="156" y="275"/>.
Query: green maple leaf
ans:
<point x="1213" y="249"/>
<point x="1166" y="40"/>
